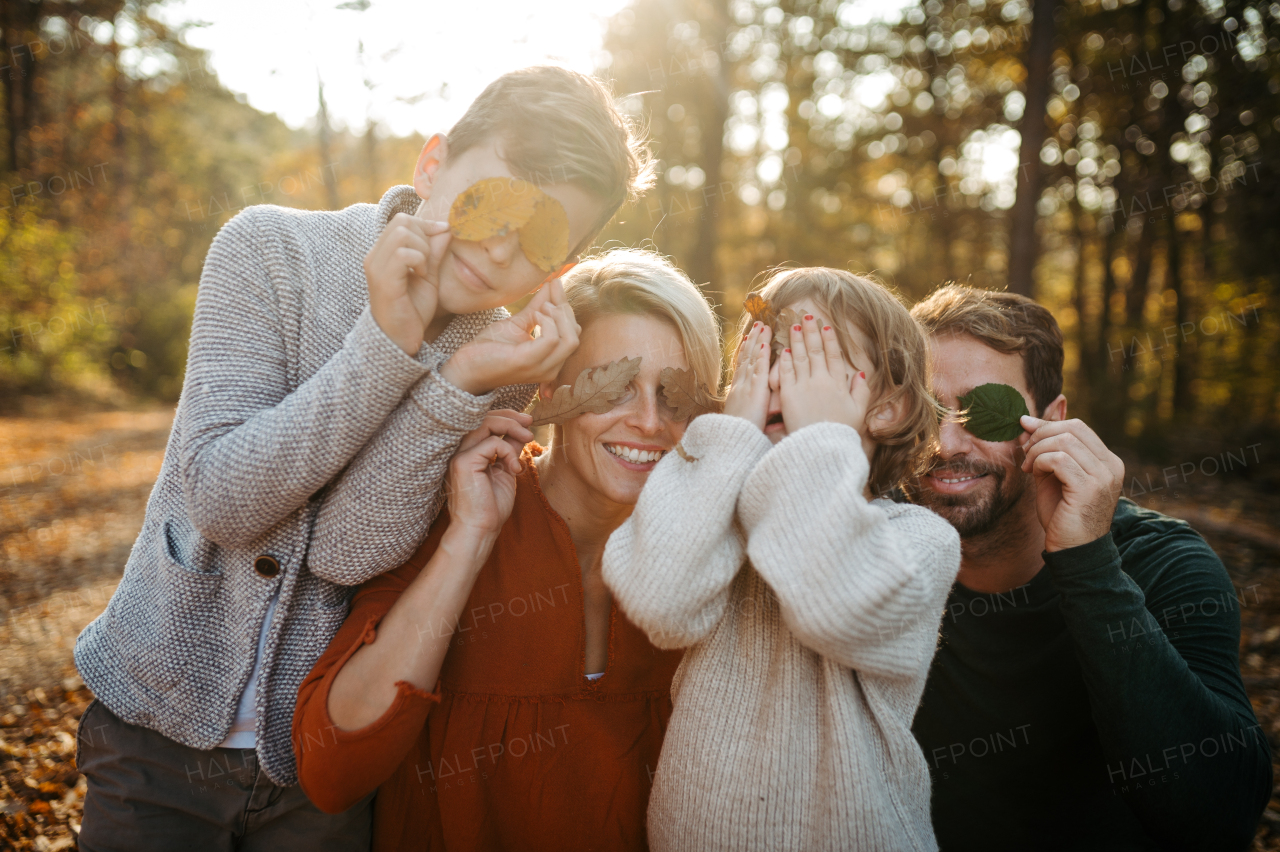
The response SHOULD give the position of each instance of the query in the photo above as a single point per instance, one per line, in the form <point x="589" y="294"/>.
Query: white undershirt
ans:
<point x="243" y="728"/>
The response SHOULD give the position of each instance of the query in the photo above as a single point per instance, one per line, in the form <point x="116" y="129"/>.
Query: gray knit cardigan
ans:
<point x="304" y="435"/>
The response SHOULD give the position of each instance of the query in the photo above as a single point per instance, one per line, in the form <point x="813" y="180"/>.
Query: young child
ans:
<point x="810" y="609"/>
<point x="336" y="361"/>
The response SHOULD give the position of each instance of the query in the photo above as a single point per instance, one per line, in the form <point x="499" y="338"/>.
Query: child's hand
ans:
<point x="749" y="394"/>
<point x="403" y="270"/>
<point x="506" y="353"/>
<point x="816" y="383"/>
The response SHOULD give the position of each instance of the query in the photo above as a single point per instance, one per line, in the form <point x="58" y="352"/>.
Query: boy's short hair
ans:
<point x="636" y="281"/>
<point x="559" y="126"/>
<point x="1007" y="322"/>
<point x="899" y="352"/>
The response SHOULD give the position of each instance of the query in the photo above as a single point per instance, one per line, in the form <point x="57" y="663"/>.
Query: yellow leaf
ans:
<point x="495" y="206"/>
<point x="545" y="238"/>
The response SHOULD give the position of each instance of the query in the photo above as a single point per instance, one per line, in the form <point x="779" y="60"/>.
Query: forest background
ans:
<point x="1119" y="161"/>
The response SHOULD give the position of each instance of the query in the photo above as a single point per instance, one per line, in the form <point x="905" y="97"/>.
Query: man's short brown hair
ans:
<point x="1007" y="323"/>
<point x="558" y="126"/>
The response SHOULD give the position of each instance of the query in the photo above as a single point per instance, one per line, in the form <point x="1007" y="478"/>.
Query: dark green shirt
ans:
<point x="1099" y="706"/>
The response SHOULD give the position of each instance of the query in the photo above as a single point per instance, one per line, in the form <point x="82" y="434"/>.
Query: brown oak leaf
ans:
<point x="595" y="391"/>
<point x="782" y="329"/>
<point x="685" y="394"/>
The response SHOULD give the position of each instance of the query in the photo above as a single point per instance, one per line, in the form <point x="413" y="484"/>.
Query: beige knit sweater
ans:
<point x="811" y="616"/>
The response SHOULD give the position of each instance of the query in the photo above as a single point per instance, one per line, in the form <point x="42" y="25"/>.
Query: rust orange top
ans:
<point x="516" y="749"/>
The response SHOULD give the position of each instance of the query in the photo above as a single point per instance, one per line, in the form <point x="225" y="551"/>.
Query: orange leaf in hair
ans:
<point x="595" y="391"/>
<point x="760" y="309"/>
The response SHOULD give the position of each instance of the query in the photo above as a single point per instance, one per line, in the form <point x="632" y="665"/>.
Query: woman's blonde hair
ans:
<point x="635" y="281"/>
<point x="896" y="346"/>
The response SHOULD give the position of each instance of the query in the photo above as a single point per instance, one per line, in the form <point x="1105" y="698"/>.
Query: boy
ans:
<point x="336" y="360"/>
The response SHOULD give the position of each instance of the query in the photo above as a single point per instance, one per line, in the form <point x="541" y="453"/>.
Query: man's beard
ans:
<point x="976" y="514"/>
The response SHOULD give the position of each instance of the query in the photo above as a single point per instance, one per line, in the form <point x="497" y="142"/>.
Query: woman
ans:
<point x="489" y="688"/>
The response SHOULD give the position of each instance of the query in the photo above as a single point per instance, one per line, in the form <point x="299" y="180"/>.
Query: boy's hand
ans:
<point x="507" y="353"/>
<point x="749" y="394"/>
<point x="814" y="381"/>
<point x="403" y="269"/>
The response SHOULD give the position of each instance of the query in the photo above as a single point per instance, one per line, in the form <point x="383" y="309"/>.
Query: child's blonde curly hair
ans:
<point x="899" y="353"/>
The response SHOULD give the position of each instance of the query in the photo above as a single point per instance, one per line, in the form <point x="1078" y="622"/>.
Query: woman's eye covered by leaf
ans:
<point x="598" y="389"/>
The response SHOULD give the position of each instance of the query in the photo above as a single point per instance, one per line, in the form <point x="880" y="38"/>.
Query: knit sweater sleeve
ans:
<point x="380" y="508"/>
<point x="860" y="583"/>
<point x="671" y="563"/>
<point x="254" y="448"/>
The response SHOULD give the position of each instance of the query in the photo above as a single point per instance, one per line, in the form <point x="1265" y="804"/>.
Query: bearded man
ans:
<point x="1086" y="693"/>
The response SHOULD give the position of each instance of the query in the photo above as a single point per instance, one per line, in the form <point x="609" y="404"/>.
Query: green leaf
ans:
<point x="992" y="410"/>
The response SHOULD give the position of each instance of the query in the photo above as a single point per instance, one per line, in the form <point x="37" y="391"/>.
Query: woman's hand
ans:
<point x="482" y="475"/>
<point x="749" y="394"/>
<point x="816" y="383"/>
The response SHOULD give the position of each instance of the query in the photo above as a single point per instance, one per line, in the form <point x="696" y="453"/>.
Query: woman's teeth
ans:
<point x="633" y="455"/>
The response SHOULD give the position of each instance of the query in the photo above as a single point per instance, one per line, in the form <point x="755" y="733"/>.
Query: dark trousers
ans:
<point x="147" y="792"/>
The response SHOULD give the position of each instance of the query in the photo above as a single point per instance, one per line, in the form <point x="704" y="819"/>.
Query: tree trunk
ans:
<point x="322" y="119"/>
<point x="702" y="259"/>
<point x="1183" y="365"/>
<point x="18" y="25"/>
<point x="1084" y="384"/>
<point x="1023" y="244"/>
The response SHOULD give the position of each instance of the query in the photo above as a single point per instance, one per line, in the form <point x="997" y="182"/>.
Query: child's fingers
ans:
<point x="831" y="345"/>
<point x="786" y="370"/>
<point x="861" y="393"/>
<point x="525" y="318"/>
<point x="567" y="330"/>
<point x="555" y="292"/>
<point x="439" y="244"/>
<point x="413" y="259"/>
<point x="814" y="348"/>
<point x="761" y="362"/>
<point x="799" y="357"/>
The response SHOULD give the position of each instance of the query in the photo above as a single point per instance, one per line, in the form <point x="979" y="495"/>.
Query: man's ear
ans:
<point x="1056" y="410"/>
<point x="432" y="157"/>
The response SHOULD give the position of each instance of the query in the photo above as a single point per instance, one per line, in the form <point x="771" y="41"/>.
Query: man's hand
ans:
<point x="482" y="475"/>
<point x="815" y="382"/>
<point x="1078" y="480"/>
<point x="403" y="269"/>
<point x="749" y="394"/>
<point x="507" y="353"/>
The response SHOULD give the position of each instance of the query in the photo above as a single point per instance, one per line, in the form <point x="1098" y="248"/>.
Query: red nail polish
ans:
<point x="795" y="328"/>
<point x="826" y="328"/>
<point x="808" y="316"/>
<point x="862" y="375"/>
<point x="788" y="351"/>
<point x="745" y="336"/>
